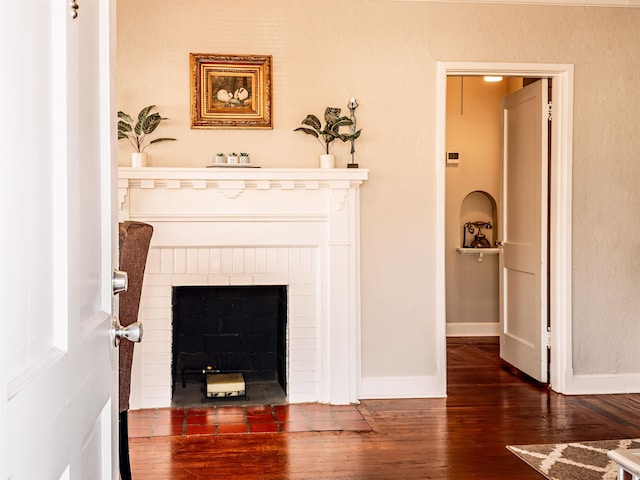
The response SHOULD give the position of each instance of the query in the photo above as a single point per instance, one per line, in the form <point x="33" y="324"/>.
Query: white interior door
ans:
<point x="523" y="226"/>
<point x="57" y="363"/>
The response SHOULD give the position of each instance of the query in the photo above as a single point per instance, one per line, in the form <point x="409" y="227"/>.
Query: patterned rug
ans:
<point x="573" y="461"/>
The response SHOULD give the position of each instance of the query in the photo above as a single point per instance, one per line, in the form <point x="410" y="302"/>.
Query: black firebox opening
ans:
<point x="231" y="329"/>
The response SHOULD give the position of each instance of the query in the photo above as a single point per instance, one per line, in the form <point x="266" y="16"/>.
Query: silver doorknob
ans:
<point x="132" y="332"/>
<point x="119" y="281"/>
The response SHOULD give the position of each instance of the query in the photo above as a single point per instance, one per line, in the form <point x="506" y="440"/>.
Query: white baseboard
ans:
<point x="470" y="329"/>
<point x="402" y="387"/>
<point x="603" y="384"/>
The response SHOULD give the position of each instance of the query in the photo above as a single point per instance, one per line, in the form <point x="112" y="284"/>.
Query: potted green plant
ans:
<point x="232" y="158"/>
<point x="244" y="158"/>
<point x="220" y="158"/>
<point x="136" y="132"/>
<point x="329" y="133"/>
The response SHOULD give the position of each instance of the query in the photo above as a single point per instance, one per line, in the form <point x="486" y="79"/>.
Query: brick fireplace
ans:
<point x="297" y="228"/>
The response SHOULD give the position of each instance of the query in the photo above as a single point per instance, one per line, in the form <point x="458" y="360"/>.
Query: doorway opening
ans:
<point x="477" y="294"/>
<point x="559" y="251"/>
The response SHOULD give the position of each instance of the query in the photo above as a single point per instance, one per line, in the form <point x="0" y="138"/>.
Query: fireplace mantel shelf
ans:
<point x="261" y="178"/>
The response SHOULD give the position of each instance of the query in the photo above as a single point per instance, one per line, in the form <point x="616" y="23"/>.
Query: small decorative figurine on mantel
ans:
<point x="353" y="104"/>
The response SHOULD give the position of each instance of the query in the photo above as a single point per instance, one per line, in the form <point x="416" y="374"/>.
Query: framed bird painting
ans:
<point x="230" y="91"/>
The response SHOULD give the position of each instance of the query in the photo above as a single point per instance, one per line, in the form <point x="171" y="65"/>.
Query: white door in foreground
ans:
<point x="57" y="362"/>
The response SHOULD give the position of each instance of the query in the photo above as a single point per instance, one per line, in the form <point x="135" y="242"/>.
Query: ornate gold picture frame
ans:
<point x="230" y="91"/>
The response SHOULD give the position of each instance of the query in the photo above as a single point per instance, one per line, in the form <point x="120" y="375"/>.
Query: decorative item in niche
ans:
<point x="329" y="133"/>
<point x="230" y="91"/>
<point x="136" y="132"/>
<point x="479" y="239"/>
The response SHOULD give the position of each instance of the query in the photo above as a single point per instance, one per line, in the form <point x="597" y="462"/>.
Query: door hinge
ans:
<point x="548" y="337"/>
<point x="74" y="9"/>
<point x="549" y="111"/>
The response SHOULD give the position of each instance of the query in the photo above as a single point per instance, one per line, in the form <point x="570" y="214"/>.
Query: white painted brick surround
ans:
<point x="294" y="227"/>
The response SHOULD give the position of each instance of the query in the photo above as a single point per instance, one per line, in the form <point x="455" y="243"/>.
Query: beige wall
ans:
<point x="385" y="54"/>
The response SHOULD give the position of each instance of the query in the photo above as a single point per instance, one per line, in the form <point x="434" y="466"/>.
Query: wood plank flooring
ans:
<point x="459" y="437"/>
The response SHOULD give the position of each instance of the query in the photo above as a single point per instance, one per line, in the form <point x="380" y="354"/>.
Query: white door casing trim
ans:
<point x="109" y="175"/>
<point x="561" y="374"/>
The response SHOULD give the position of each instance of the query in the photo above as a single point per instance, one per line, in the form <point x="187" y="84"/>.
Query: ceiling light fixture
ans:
<point x="491" y="78"/>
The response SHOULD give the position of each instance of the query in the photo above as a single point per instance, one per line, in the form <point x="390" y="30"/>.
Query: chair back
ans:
<point x="135" y="238"/>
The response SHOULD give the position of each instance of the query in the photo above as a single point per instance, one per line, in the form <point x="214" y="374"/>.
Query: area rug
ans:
<point x="573" y="461"/>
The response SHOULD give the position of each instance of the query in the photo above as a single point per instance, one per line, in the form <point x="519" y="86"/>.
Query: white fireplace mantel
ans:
<point x="254" y="226"/>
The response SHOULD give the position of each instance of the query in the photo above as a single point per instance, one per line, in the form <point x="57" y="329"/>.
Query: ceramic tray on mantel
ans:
<point x="233" y="165"/>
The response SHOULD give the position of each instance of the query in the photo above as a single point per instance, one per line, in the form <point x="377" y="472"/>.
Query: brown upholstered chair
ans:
<point x="134" y="246"/>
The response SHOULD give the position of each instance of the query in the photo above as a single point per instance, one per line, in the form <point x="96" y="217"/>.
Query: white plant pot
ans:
<point x="232" y="159"/>
<point x="244" y="159"/>
<point x="327" y="160"/>
<point x="138" y="159"/>
<point x="220" y="159"/>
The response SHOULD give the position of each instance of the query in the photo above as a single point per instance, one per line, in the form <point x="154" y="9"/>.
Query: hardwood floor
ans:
<point x="463" y="436"/>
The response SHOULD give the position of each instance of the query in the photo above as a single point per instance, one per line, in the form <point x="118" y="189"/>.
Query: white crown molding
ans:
<point x="571" y="3"/>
